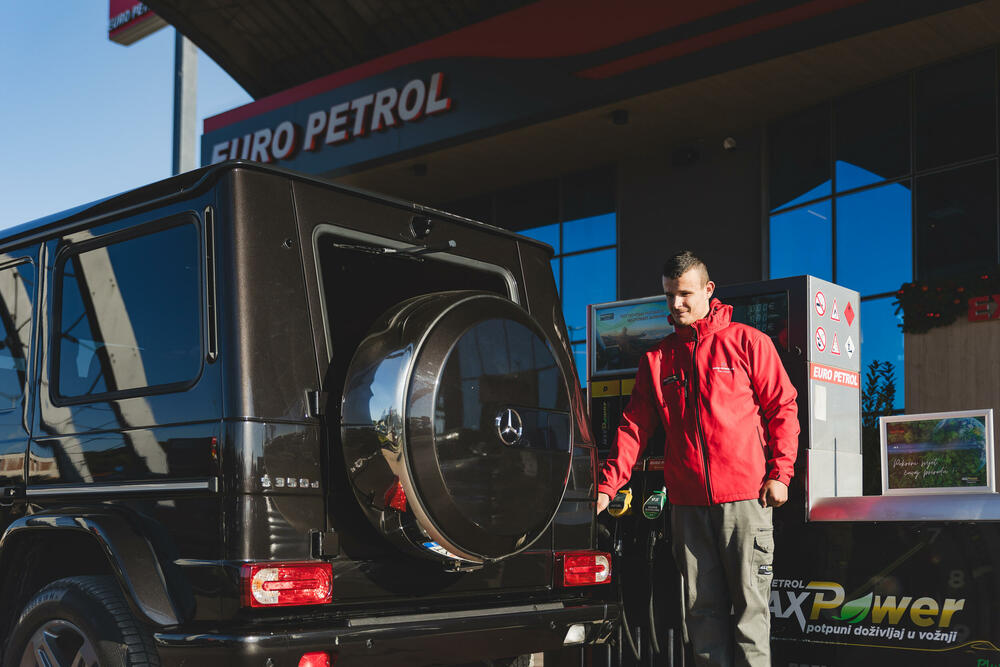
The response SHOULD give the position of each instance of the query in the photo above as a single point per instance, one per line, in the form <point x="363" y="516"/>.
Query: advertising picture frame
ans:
<point x="938" y="452"/>
<point x="613" y="350"/>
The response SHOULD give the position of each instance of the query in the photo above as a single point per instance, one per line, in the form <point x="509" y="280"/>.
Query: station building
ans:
<point x="854" y="140"/>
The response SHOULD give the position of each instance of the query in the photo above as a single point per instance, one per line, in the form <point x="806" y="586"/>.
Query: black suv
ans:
<point x="249" y="417"/>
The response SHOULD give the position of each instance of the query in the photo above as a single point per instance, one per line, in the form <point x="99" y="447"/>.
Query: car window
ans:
<point x="17" y="285"/>
<point x="129" y="314"/>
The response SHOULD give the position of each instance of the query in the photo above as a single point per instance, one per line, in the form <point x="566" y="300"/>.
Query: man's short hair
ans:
<point x="682" y="262"/>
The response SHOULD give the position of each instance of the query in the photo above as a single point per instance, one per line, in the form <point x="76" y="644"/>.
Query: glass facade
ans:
<point x="893" y="183"/>
<point x="576" y="215"/>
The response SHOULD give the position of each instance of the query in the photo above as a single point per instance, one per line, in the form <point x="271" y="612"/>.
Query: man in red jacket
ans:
<point x="731" y="423"/>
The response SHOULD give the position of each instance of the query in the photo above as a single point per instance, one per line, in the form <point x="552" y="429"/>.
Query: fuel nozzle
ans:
<point x="653" y="507"/>
<point x="621" y="504"/>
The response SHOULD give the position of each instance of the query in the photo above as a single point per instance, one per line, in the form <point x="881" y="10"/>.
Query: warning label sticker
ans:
<point x="849" y="347"/>
<point x="834" y="376"/>
<point x="820" y="339"/>
<point x="835" y="348"/>
<point x="820" y="302"/>
<point x="849" y="314"/>
<point x="835" y="312"/>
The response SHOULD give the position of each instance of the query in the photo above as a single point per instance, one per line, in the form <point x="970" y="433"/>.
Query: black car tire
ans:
<point x="81" y="621"/>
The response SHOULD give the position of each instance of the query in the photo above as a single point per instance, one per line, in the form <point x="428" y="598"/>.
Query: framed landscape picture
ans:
<point x="940" y="452"/>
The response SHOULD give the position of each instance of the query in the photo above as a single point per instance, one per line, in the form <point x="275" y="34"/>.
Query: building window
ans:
<point x="575" y="214"/>
<point x="874" y="239"/>
<point x="956" y="221"/>
<point x="799" y="150"/>
<point x="129" y="315"/>
<point x="866" y="217"/>
<point x="872" y="135"/>
<point x="801" y="242"/>
<point x="585" y="241"/>
<point x="955" y="111"/>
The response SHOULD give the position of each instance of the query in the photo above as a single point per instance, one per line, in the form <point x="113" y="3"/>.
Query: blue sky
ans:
<point x="82" y="116"/>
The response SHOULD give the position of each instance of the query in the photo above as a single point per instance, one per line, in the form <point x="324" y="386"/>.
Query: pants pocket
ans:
<point x="763" y="554"/>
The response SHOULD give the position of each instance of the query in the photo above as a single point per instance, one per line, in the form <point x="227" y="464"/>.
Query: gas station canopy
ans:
<point x="270" y="46"/>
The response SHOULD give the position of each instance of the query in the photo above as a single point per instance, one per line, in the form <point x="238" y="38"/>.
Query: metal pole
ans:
<point x="185" y="98"/>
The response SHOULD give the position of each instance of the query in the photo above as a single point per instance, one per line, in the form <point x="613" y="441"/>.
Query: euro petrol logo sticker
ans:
<point x="822" y="612"/>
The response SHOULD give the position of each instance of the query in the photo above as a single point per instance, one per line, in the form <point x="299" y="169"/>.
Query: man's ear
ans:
<point x="710" y="286"/>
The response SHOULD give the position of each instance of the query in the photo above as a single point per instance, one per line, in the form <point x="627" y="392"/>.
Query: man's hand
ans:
<point x="772" y="494"/>
<point x="602" y="502"/>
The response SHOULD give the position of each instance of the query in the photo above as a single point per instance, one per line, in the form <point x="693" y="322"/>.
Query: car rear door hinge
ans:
<point x="316" y="400"/>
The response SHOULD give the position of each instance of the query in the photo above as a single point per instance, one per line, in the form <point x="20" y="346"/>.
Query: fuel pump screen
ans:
<point x="766" y="312"/>
<point x="622" y="331"/>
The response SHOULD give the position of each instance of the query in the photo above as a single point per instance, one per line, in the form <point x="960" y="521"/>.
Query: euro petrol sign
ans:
<point x="129" y="21"/>
<point x="345" y="120"/>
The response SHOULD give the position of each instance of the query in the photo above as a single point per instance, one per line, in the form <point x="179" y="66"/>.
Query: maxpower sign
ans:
<point x="921" y="594"/>
<point x="822" y="611"/>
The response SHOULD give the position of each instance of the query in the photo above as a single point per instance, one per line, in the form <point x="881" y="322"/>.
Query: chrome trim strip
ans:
<point x="211" y="485"/>
<point x="440" y="616"/>
<point x="937" y="508"/>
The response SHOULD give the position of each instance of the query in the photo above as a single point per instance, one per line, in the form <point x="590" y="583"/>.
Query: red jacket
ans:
<point x="726" y="405"/>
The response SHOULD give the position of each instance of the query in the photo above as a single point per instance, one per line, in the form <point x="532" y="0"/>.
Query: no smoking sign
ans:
<point x="820" y="339"/>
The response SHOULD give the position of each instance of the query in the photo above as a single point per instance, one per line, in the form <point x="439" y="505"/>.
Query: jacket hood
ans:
<point x="719" y="316"/>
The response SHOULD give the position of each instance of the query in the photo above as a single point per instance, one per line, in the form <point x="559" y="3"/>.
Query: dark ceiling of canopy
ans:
<point x="271" y="45"/>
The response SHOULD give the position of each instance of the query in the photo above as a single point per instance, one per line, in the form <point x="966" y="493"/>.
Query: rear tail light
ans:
<point x="286" y="584"/>
<point x="583" y="568"/>
<point x="395" y="497"/>
<point x="317" y="659"/>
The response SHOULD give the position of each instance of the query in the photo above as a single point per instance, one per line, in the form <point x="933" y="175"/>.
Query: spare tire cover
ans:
<point x="458" y="398"/>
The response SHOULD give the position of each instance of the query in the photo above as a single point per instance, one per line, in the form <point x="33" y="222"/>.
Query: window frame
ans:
<point x="67" y="251"/>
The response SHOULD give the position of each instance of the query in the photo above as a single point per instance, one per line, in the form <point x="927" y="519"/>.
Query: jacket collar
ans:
<point x="719" y="316"/>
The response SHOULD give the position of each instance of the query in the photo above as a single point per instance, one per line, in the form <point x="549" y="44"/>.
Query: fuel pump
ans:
<point x="637" y="521"/>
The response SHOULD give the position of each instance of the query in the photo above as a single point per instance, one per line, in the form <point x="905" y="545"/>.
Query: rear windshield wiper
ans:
<point x="410" y="251"/>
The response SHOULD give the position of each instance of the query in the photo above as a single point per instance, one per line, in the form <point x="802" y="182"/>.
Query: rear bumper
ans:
<point x="418" y="639"/>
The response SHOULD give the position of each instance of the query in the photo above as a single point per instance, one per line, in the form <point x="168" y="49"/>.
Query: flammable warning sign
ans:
<point x="835" y="375"/>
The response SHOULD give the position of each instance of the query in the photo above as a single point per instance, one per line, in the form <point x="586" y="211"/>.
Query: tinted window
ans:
<point x="801" y="242"/>
<point x="800" y="158"/>
<point x="593" y="232"/>
<point x="882" y="339"/>
<point x="129" y="314"/>
<point x="874" y="239"/>
<point x="587" y="278"/>
<point x="872" y="130"/>
<point x="955" y="111"/>
<point x="956" y="221"/>
<point x="589" y="193"/>
<point x="17" y="285"/>
<point x="528" y="206"/>
<point x="547" y="234"/>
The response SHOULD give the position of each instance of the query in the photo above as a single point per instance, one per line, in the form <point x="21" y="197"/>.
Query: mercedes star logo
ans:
<point x="509" y="426"/>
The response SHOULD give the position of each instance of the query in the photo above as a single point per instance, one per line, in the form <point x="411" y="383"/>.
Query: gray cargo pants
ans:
<point x="724" y="553"/>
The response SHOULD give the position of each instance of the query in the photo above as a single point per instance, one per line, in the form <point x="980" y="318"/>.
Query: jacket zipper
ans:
<point x="695" y="391"/>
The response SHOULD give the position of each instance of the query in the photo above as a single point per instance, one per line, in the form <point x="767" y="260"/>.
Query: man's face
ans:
<point x="688" y="296"/>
